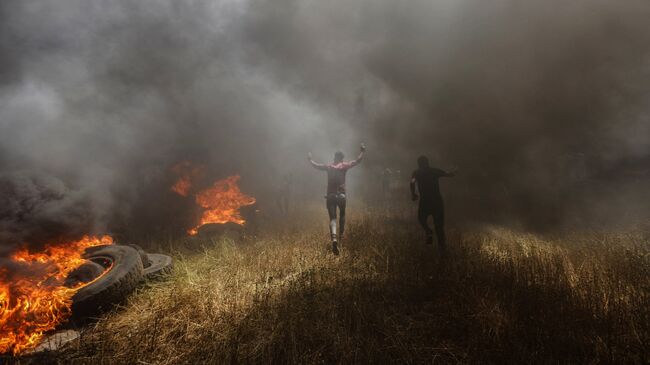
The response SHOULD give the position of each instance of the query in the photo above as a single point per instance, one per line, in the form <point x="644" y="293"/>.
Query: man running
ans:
<point x="336" y="190"/>
<point x="430" y="199"/>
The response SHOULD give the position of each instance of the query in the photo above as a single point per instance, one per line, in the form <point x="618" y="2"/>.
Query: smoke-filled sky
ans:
<point x="532" y="100"/>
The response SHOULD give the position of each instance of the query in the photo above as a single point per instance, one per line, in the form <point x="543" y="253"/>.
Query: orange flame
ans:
<point x="34" y="300"/>
<point x="187" y="172"/>
<point x="222" y="203"/>
<point x="182" y="186"/>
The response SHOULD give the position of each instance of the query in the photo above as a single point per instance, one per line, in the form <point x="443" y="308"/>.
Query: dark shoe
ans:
<point x="335" y="248"/>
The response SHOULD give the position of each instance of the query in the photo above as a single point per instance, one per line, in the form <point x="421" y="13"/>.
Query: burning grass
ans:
<point x="502" y="296"/>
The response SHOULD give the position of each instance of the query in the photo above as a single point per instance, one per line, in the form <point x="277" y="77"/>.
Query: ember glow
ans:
<point x="33" y="297"/>
<point x="222" y="202"/>
<point x="187" y="173"/>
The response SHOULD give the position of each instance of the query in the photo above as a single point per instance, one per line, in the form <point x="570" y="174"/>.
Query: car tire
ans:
<point x="125" y="271"/>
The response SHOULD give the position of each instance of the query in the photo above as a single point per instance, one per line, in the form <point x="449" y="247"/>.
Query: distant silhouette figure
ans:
<point x="284" y="194"/>
<point x="386" y="177"/>
<point x="431" y="203"/>
<point x="336" y="190"/>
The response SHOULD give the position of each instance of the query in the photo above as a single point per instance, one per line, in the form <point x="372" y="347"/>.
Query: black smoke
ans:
<point x="40" y="209"/>
<point x="542" y="105"/>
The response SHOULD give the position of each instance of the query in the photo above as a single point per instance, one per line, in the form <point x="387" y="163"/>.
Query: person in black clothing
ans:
<point x="431" y="203"/>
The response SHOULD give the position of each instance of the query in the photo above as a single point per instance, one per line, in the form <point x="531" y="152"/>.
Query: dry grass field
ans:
<point x="279" y="296"/>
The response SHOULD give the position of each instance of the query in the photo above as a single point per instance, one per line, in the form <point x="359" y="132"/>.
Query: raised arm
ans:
<point x="450" y="173"/>
<point x="445" y="173"/>
<point x="362" y="150"/>
<point x="317" y="166"/>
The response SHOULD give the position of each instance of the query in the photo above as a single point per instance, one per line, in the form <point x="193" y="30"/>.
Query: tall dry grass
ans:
<point x="281" y="297"/>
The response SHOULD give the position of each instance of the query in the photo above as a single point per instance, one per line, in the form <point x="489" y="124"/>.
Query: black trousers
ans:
<point x="435" y="208"/>
<point x="334" y="201"/>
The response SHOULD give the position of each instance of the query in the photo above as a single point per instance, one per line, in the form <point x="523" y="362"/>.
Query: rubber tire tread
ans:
<point x="161" y="265"/>
<point x="115" y="286"/>
<point x="143" y="255"/>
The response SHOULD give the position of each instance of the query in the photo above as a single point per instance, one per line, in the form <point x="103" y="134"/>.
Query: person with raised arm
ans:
<point x="336" y="195"/>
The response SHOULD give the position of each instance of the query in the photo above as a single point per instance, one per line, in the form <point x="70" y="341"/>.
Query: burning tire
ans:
<point x="123" y="271"/>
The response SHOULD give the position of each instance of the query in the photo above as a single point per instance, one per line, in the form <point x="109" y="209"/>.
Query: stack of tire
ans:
<point x="124" y="268"/>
